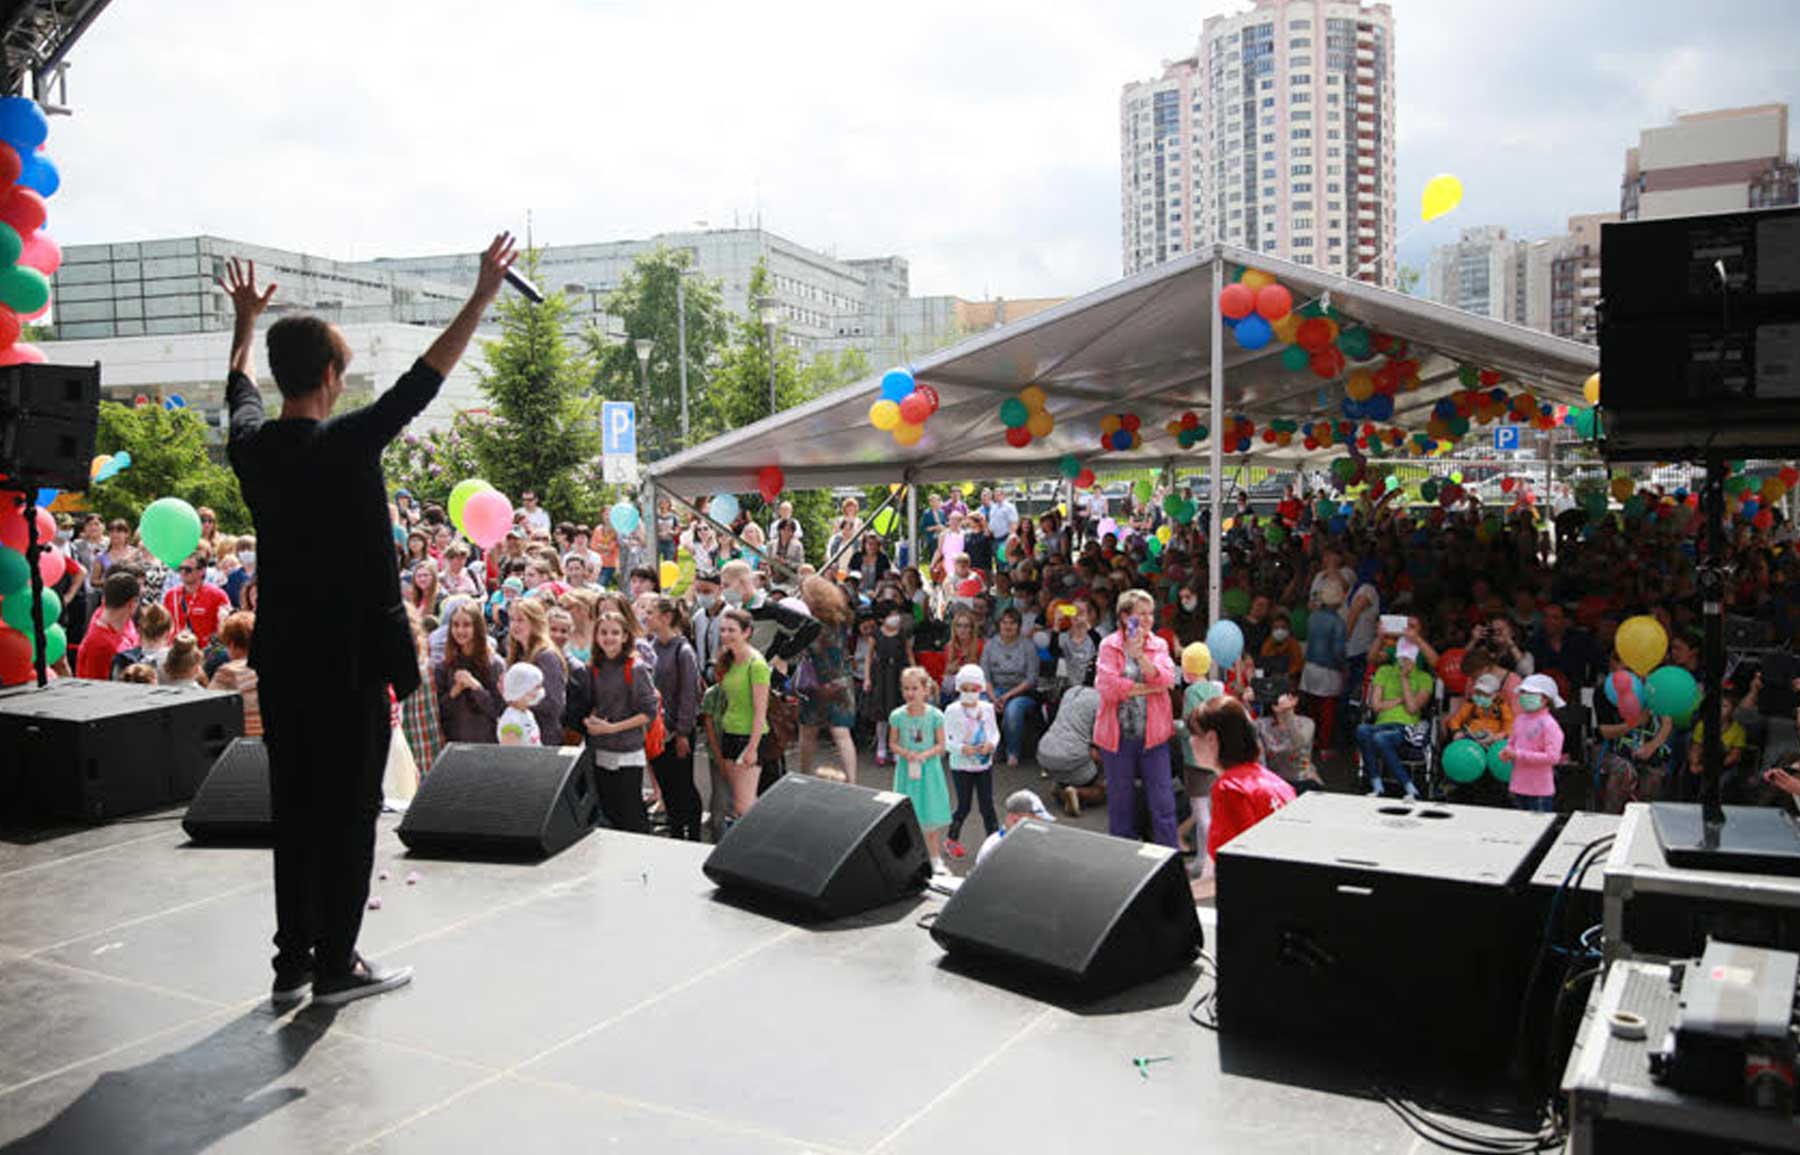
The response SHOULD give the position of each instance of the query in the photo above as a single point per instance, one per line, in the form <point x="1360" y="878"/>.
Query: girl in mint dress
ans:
<point x="916" y="739"/>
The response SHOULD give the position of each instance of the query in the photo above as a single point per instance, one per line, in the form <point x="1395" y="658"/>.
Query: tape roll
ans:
<point x="1625" y="1025"/>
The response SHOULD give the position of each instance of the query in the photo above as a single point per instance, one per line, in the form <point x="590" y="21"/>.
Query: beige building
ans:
<point x="1726" y="160"/>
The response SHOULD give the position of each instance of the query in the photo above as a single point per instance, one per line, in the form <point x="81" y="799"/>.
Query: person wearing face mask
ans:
<point x="1189" y="620"/>
<point x="781" y="634"/>
<point x="971" y="735"/>
<point x="1398" y="694"/>
<point x="1487" y="717"/>
<point x="708" y="605"/>
<point x="1535" y="747"/>
<point x="1281" y="653"/>
<point x="240" y="577"/>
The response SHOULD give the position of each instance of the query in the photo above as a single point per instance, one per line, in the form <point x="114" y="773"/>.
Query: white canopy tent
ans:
<point x="1153" y="344"/>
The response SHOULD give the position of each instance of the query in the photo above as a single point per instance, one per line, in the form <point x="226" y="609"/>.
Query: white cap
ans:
<point x="1027" y="802"/>
<point x="1405" y="651"/>
<point x="971" y="675"/>
<point x="523" y="681"/>
<point x="1543" y="685"/>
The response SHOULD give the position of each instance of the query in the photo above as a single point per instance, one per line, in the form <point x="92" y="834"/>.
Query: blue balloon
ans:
<point x="39" y="172"/>
<point x="1226" y="642"/>
<point x="1121" y="439"/>
<point x="1338" y="526"/>
<point x="177" y="401"/>
<point x="724" y="508"/>
<point x="46" y="496"/>
<point x="1379" y="407"/>
<point x="1253" y="332"/>
<point x="896" y="386"/>
<point x="1352" y="409"/>
<point x="22" y="124"/>
<point x="122" y="459"/>
<point x="1612" y="692"/>
<point x="624" y="517"/>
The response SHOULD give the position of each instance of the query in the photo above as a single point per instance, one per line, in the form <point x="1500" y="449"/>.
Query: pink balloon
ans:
<point x="22" y="353"/>
<point x="41" y="253"/>
<point x="51" y="566"/>
<point x="486" y="517"/>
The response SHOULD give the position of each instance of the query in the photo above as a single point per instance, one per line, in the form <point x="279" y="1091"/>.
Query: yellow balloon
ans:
<point x="1033" y="397"/>
<point x="1641" y="643"/>
<point x="1287" y="329"/>
<point x="968" y="489"/>
<point x="668" y="574"/>
<point x="1254" y="279"/>
<point x="1040" y="424"/>
<point x="1442" y="194"/>
<point x="884" y="415"/>
<point x="1196" y="661"/>
<point x="907" y="434"/>
<point x="1622" y="488"/>
<point x="1109" y="424"/>
<point x="1062" y="509"/>
<point x="1591" y="390"/>
<point x="1360" y="385"/>
<point x="1163" y="534"/>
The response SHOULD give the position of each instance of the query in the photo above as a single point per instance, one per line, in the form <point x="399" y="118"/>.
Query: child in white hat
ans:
<point x="1536" y="746"/>
<point x="523" y="688"/>
<point x="1021" y="805"/>
<point x="971" y="733"/>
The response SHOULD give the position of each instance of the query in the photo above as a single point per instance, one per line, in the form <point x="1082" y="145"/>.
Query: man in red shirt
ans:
<point x="1223" y="738"/>
<point x="196" y="606"/>
<point x="111" y="630"/>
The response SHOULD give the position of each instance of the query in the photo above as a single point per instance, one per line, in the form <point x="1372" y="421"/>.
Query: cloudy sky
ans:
<point x="978" y="140"/>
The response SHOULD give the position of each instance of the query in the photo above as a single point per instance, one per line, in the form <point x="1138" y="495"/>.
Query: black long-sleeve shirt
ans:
<point x="329" y="580"/>
<point x="678" y="681"/>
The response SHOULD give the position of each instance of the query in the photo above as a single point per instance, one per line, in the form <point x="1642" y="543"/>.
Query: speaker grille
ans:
<point x="504" y="799"/>
<point x="233" y="802"/>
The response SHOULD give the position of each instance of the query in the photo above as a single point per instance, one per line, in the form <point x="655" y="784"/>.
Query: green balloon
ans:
<point x="884" y="521"/>
<point x="1296" y="358"/>
<point x="1154" y="547"/>
<point x="1189" y="510"/>
<point x="15" y="609"/>
<point x="1497" y="766"/>
<point x="1297" y="618"/>
<point x="1671" y="691"/>
<point x="15" y="571"/>
<point x="460" y="496"/>
<point x="1235" y="602"/>
<point x="1013" y="413"/>
<point x="1275" y="535"/>
<point x="1172" y="505"/>
<point x="10" y="245"/>
<point x="1143" y="489"/>
<point x="170" y="529"/>
<point x="56" y="644"/>
<point x="1464" y="760"/>
<point x="24" y="289"/>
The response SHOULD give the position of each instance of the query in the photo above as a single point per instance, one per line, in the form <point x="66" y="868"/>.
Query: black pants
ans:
<point x="327" y="748"/>
<point x="621" y="794"/>
<point x="681" y="797"/>
<point x="980" y="786"/>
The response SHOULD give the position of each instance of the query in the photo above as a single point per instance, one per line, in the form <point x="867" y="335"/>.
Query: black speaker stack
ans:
<point x="48" y="417"/>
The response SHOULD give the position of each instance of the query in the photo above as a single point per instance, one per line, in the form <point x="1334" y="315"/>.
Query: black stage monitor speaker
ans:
<point x="1079" y="909"/>
<point x="483" y="801"/>
<point x="232" y="805"/>
<point x="48" y="417"/>
<point x="1393" y="930"/>
<point x="94" y="751"/>
<point x="823" y="849"/>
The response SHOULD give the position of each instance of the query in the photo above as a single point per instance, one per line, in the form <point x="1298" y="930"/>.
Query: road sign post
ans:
<point x="1506" y="438"/>
<point x="618" y="442"/>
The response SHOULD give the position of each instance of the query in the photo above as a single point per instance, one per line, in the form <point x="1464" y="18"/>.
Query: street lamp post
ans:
<point x="681" y="343"/>
<point x="771" y="317"/>
<point x="643" y="346"/>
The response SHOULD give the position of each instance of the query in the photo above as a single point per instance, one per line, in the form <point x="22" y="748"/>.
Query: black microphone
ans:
<point x="526" y="289"/>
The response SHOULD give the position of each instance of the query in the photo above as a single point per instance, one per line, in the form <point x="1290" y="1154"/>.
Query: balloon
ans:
<point x="170" y="529"/>
<point x="770" y="481"/>
<point x="11" y="246"/>
<point x="1034" y="397"/>
<point x="40" y="174"/>
<point x="884" y="521"/>
<point x="10" y="324"/>
<point x="1013" y="413"/>
<point x="22" y="352"/>
<point x="1255" y="279"/>
<point x="1041" y="424"/>
<point x="1235" y="602"/>
<point x="915" y="409"/>
<point x="896" y="385"/>
<point x="1226" y="643"/>
<point x="968" y="489"/>
<point x="1671" y="692"/>
<point x="1464" y="760"/>
<point x="1313" y="335"/>
<point x="24" y="289"/>
<point x="1442" y="194"/>
<point x="1641" y="643"/>
<point x="23" y="124"/>
<point x="667" y="574"/>
<point x="1085" y="479"/>
<point x="15" y="534"/>
<point x="1196" y="661"/>
<point x="1450" y="670"/>
<point x="1142" y="490"/>
<point x="1069" y="466"/>
<point x="1295" y="358"/>
<point x="1107" y="527"/>
<point x="1360" y="385"/>
<point x="905" y="434"/>
<point x="15" y="658"/>
<point x="1253" y="332"/>
<point x="459" y="495"/>
<point x="10" y="166"/>
<point x="1591" y="389"/>
<point x="931" y="396"/>
<point x="1237" y="302"/>
<point x="1154" y="547"/>
<point x="1122" y="439"/>
<point x="15" y="609"/>
<point x="24" y="210"/>
<point x="15" y="575"/>
<point x="487" y="516"/>
<point x="1496" y="765"/>
<point x="624" y="517"/>
<point x="884" y="415"/>
<point x="1273" y="302"/>
<point x="725" y="508"/>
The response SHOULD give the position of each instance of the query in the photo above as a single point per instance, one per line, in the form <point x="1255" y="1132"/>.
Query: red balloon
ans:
<point x="1506" y="484"/>
<point x="770" y="481"/>
<point x="915" y="409"/>
<point x="1450" y="670"/>
<point x="931" y="396"/>
<point x="1084" y="479"/>
<point x="22" y="353"/>
<point x="10" y="166"/>
<point x="1489" y="377"/>
<point x="1311" y="442"/>
<point x="1789" y="476"/>
<point x="10" y="325"/>
<point x="24" y="210"/>
<point x="1323" y="364"/>
<point x="13" y="530"/>
<point x="1314" y="334"/>
<point x="51" y="565"/>
<point x="1130" y="422"/>
<point x="1019" y="437"/>
<point x="1269" y="436"/>
<point x="1235" y="301"/>
<point x="15" y="657"/>
<point x="1273" y="302"/>
<point x="1764" y="519"/>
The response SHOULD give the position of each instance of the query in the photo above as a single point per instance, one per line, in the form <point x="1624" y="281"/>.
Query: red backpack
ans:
<point x="656" y="734"/>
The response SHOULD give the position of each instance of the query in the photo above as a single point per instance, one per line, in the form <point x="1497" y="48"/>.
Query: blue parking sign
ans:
<point x="618" y="428"/>
<point x="1506" y="438"/>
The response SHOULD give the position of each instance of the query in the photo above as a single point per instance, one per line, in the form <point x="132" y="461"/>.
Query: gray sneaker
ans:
<point x="365" y="979"/>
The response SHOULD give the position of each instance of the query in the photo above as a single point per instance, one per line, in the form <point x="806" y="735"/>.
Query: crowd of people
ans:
<point x="1015" y="637"/>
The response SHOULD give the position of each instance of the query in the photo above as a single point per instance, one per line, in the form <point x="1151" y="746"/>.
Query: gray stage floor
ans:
<point x="603" y="1000"/>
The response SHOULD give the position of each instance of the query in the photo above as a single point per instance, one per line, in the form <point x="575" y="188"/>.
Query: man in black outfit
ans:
<point x="331" y="631"/>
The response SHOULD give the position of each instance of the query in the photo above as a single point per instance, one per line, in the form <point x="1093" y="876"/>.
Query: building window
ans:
<point x="1299" y="25"/>
<point x="1302" y="242"/>
<point x="1302" y="134"/>
<point x="1301" y="78"/>
<point x="1268" y="102"/>
<point x="1302" y="150"/>
<point x="1300" y="42"/>
<point x="1268" y="174"/>
<point x="1269" y="155"/>
<point x="1333" y="188"/>
<point x="1333" y="134"/>
<point x="1334" y="151"/>
<point x="1303" y="258"/>
<point x="1299" y="97"/>
<point x="1301" y="170"/>
<point x="1334" y="242"/>
<point x="1268" y="246"/>
<point x="1300" y="116"/>
<point x="1304" y="186"/>
<point x="1302" y="206"/>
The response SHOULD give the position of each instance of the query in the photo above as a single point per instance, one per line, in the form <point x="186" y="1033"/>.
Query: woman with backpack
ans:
<point x="612" y="701"/>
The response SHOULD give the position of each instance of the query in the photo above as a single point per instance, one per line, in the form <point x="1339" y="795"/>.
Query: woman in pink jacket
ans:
<point x="1134" y="674"/>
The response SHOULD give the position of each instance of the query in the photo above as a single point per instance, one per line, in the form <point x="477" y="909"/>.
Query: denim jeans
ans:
<point x="1531" y="802"/>
<point x="1012" y="723"/>
<point x="1381" y="745"/>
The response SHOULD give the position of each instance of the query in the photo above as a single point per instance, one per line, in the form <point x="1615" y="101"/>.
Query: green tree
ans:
<point x="428" y="465"/>
<point x="739" y="390"/>
<point x="544" y="432"/>
<point x="168" y="459"/>
<point x="1407" y="279"/>
<point x="646" y="304"/>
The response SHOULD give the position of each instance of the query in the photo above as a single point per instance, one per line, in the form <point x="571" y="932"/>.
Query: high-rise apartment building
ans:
<point x="1575" y="278"/>
<point x="1725" y="160"/>
<point x="1479" y="273"/>
<point x="1277" y="135"/>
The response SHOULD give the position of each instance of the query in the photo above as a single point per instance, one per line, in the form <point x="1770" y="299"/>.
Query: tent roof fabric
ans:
<point x="1140" y="345"/>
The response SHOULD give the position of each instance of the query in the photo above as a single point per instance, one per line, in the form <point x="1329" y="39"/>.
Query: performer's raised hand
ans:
<point x="239" y="283"/>
<point x="499" y="257"/>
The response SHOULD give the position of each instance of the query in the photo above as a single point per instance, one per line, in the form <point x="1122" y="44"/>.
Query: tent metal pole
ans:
<point x="647" y="522"/>
<point x="1215" y="491"/>
<point x="912" y="524"/>
<point x="830" y="565"/>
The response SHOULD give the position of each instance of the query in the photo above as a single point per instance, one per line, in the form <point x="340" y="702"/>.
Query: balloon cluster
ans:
<point x="904" y="406"/>
<point x="1455" y="415"/>
<point x="1071" y="468"/>
<point x="1121" y="431"/>
<point x="1753" y="501"/>
<point x="1025" y="417"/>
<point x="1239" y="431"/>
<point x="1281" y="432"/>
<point x="770" y="481"/>
<point x="1667" y="691"/>
<point x="1187" y="429"/>
<point x="1586" y="422"/>
<point x="480" y="512"/>
<point x="28" y="257"/>
<point x="109" y="465"/>
<point x="1253" y="306"/>
<point x="1179" y="509"/>
<point x="18" y="649"/>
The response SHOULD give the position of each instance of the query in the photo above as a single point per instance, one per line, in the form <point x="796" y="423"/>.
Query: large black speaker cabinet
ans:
<point x="232" y="805"/>
<point x="49" y="415"/>
<point x="483" y="801"/>
<point x="823" y="849"/>
<point x="1078" y="909"/>
<point x="94" y="751"/>
<point x="1398" y="931"/>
